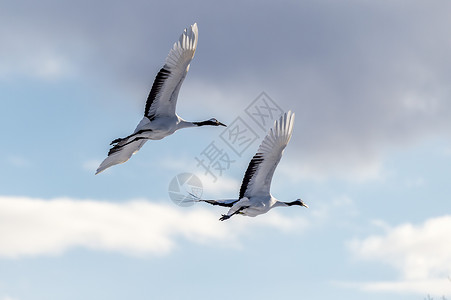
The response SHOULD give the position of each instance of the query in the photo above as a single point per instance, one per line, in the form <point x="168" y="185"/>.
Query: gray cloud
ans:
<point x="362" y="77"/>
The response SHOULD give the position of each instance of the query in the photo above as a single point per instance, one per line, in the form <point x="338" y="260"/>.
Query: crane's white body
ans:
<point x="255" y="196"/>
<point x="255" y="205"/>
<point x="161" y="127"/>
<point x="160" y="118"/>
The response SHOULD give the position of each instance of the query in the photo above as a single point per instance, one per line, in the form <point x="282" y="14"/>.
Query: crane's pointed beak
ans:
<point x="221" y="124"/>
<point x="305" y="205"/>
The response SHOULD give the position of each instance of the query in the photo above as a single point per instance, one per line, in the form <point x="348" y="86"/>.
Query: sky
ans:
<point x="369" y="82"/>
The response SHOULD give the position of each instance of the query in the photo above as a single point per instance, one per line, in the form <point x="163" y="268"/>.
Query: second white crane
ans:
<point x="255" y="196"/>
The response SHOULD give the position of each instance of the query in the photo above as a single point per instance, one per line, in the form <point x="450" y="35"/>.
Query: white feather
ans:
<point x="271" y="150"/>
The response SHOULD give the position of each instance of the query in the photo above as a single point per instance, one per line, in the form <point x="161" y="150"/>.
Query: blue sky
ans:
<point x="370" y="152"/>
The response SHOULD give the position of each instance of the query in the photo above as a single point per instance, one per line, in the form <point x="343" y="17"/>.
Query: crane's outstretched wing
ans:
<point x="258" y="176"/>
<point x="120" y="153"/>
<point x="162" y="98"/>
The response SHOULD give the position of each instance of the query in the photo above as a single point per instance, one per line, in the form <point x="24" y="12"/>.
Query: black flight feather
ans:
<point x="251" y="169"/>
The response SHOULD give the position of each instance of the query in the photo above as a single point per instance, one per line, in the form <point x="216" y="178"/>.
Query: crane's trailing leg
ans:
<point x="118" y="140"/>
<point x="119" y="146"/>
<point x="239" y="211"/>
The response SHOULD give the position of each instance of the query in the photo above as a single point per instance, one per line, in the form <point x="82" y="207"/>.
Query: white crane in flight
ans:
<point x="160" y="119"/>
<point x="255" y="196"/>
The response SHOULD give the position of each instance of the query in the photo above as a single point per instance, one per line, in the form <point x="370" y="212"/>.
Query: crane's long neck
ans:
<point x="280" y="204"/>
<point x="203" y="123"/>
<point x="185" y="124"/>
<point x="285" y="204"/>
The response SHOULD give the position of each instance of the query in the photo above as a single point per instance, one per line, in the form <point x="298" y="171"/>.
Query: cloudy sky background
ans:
<point x="369" y="82"/>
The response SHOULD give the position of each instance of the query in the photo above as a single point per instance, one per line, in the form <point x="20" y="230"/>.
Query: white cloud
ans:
<point x="30" y="226"/>
<point x="437" y="286"/>
<point x="421" y="253"/>
<point x="18" y="161"/>
<point x="224" y="187"/>
<point x="42" y="64"/>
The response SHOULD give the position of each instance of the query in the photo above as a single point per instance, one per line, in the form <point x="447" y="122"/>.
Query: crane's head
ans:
<point x="301" y="203"/>
<point x="211" y="122"/>
<point x="297" y="202"/>
<point x="215" y="122"/>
